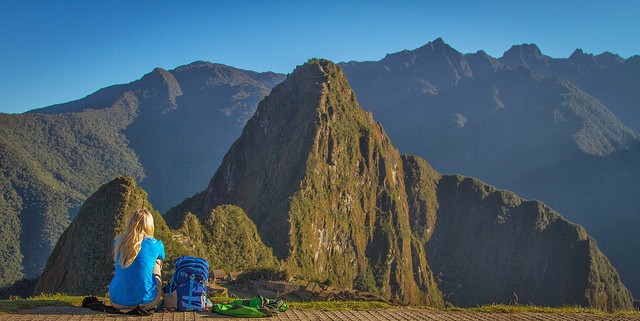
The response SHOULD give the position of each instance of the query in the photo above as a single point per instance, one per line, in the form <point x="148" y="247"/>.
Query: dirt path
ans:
<point x="80" y="314"/>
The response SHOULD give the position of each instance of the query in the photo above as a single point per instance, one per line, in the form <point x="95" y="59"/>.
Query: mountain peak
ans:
<point x="319" y="62"/>
<point x="316" y="67"/>
<point x="610" y="57"/>
<point x="605" y="59"/>
<point x="438" y="42"/>
<point x="524" y="50"/>
<point x="584" y="61"/>
<point x="528" y="55"/>
<point x="292" y="106"/>
<point x="157" y="72"/>
<point x="161" y="78"/>
<point x="201" y="64"/>
<point x="437" y="45"/>
<point x="579" y="54"/>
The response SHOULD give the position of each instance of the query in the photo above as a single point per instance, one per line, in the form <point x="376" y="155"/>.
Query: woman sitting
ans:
<point x="138" y="257"/>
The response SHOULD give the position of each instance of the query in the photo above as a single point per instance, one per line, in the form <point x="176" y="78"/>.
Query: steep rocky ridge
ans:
<point x="168" y="130"/>
<point x="501" y="253"/>
<point x="520" y="124"/>
<point x="324" y="186"/>
<point x="337" y="201"/>
<point x="82" y="261"/>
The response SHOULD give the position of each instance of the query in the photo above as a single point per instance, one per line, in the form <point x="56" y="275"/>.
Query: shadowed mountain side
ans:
<point x="508" y="123"/>
<point x="186" y="120"/>
<point x="608" y="77"/>
<point x="82" y="261"/>
<point x="490" y="246"/>
<point x="336" y="201"/>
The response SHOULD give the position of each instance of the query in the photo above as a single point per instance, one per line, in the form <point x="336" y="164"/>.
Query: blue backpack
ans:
<point x="189" y="281"/>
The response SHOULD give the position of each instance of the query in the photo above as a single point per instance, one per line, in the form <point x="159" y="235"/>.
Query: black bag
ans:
<point x="93" y="303"/>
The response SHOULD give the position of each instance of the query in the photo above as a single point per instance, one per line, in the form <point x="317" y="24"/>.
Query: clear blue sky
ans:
<point x="57" y="51"/>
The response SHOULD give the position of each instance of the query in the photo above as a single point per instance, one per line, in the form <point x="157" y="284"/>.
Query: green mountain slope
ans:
<point x="232" y="242"/>
<point x="82" y="261"/>
<point x="49" y="164"/>
<point x="319" y="178"/>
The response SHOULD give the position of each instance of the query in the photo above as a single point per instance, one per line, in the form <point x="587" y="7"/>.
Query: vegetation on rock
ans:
<point x="82" y="261"/>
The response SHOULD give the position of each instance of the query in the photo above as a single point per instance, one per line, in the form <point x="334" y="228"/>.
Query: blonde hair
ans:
<point x="128" y="245"/>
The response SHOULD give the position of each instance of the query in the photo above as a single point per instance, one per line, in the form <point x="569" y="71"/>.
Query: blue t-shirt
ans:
<point x="135" y="284"/>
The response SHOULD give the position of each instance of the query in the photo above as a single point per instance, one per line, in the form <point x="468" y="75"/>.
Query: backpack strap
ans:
<point x="191" y="281"/>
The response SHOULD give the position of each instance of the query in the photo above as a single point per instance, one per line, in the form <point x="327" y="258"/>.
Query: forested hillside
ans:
<point x="168" y="130"/>
<point x="49" y="164"/>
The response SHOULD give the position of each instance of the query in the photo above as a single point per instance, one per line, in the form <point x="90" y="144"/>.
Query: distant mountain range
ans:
<point x="175" y="113"/>
<point x="321" y="183"/>
<point x="559" y="130"/>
